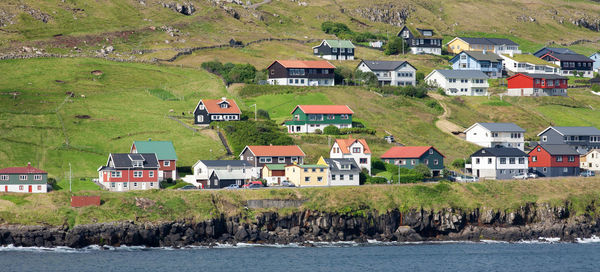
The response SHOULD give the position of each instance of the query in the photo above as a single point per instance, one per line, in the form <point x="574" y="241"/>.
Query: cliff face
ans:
<point x="528" y="223"/>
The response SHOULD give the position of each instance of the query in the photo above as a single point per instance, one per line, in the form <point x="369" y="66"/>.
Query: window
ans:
<point x="566" y="169"/>
<point x="23" y="177"/>
<point x="37" y="177"/>
<point x="4" y="177"/>
<point x="151" y="174"/>
<point x="477" y="161"/>
<point x="544" y="169"/>
<point x="330" y="117"/>
<point x="167" y="163"/>
<point x="124" y="184"/>
<point x="138" y="174"/>
<point x="307" y="179"/>
<point x="294" y="159"/>
<point x="489" y="160"/>
<point x="544" y="139"/>
<point x="112" y="184"/>
<point x="426" y="161"/>
<point x="363" y="161"/>
<point x="413" y="162"/>
<point x="315" y="117"/>
<point x="116" y="174"/>
<point x="502" y="160"/>
<point x="151" y="184"/>
<point x="266" y="160"/>
<point x="341" y="177"/>
<point x="325" y="71"/>
<point x="296" y="81"/>
<point x="559" y="158"/>
<point x="305" y="170"/>
<point x="332" y="177"/>
<point x="430" y="151"/>
<point x="321" y="170"/>
<point x="135" y="184"/>
<point x="314" y="170"/>
<point x="296" y="72"/>
<point x="138" y="163"/>
<point x="356" y="150"/>
<point x="319" y="179"/>
<point x="344" y="116"/>
<point x="511" y="160"/>
<point x="534" y="158"/>
<point x="521" y="160"/>
<point x="334" y="50"/>
<point x="281" y="159"/>
<point x="571" y="158"/>
<point x="291" y="81"/>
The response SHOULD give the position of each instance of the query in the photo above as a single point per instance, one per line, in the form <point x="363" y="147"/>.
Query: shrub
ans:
<point x="377" y="164"/>
<point x="434" y="105"/>
<point x="458" y="163"/>
<point x="376" y="180"/>
<point x="596" y="88"/>
<point x="53" y="184"/>
<point x="366" y="78"/>
<point x="331" y="130"/>
<point x="318" y="131"/>
<point x="441" y="91"/>
<point x="356" y="130"/>
<point x="263" y="114"/>
<point x="411" y="91"/>
<point x="243" y="133"/>
<point x="419" y="76"/>
<point x="232" y="73"/>
<point x="395" y="46"/>
<point x="423" y="170"/>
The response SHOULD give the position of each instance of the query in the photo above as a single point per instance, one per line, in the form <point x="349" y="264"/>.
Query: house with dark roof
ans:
<point x="165" y="153"/>
<point x="301" y="73"/>
<point x="222" y="178"/>
<point x="211" y="110"/>
<point x="484" y="61"/>
<point x="496" y="135"/>
<point x="356" y="149"/>
<point x="495" y="45"/>
<point x="551" y="160"/>
<point x="309" y="118"/>
<point x="390" y="73"/>
<point x="342" y="172"/>
<point x="203" y="169"/>
<point x="335" y="50"/>
<point x="459" y="82"/>
<point x="525" y="84"/>
<point x="23" y="180"/>
<point x="129" y="171"/>
<point x="555" y="50"/>
<point x="410" y="156"/>
<point x="571" y="64"/>
<point x="421" y="40"/>
<point x="580" y="139"/>
<point x="260" y="155"/>
<point x="527" y="63"/>
<point x="498" y="163"/>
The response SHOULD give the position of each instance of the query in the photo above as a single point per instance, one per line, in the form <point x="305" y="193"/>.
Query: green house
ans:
<point x="309" y="118"/>
<point x="411" y="156"/>
<point x="23" y="180"/>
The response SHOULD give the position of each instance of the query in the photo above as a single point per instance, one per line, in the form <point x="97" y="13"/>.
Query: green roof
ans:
<point x="276" y="166"/>
<point x="340" y="43"/>
<point x="313" y="166"/>
<point x="530" y="59"/>
<point x="164" y="149"/>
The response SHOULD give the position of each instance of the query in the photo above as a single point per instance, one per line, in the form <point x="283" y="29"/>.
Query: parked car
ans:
<point x="465" y="178"/>
<point x="232" y="187"/>
<point x="389" y="138"/>
<point x="521" y="176"/>
<point x="287" y="184"/>
<point x="254" y="186"/>
<point x="188" y="187"/>
<point x="252" y="183"/>
<point x="587" y="173"/>
<point x="532" y="175"/>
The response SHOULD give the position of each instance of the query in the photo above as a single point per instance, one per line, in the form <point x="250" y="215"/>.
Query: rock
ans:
<point x="144" y="203"/>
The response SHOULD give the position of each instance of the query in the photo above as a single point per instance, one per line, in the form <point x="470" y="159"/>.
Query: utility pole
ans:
<point x="70" y="174"/>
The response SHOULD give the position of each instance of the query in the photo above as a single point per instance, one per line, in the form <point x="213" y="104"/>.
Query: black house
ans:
<point x="335" y="50"/>
<point x="301" y="73"/>
<point x="421" y="40"/>
<point x="209" y="110"/>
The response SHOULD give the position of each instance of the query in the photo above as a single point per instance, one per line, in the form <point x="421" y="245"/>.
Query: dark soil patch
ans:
<point x="83" y="116"/>
<point x="97" y="72"/>
<point x="60" y="81"/>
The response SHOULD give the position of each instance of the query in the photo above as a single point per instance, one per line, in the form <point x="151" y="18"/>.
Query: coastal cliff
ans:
<point x="529" y="222"/>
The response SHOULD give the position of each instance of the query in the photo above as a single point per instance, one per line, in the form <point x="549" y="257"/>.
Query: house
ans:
<point x="274" y="174"/>
<point x="595" y="81"/>
<point x="301" y="73"/>
<point x="341" y="172"/>
<point x="459" y="82"/>
<point x="596" y="58"/>
<point x="523" y="84"/>
<point x="591" y="160"/>
<point x="261" y="155"/>
<point x="498" y="163"/>
<point x="527" y="63"/>
<point x="550" y="160"/>
<point x="376" y="44"/>
<point x="496" y="135"/>
<point x="309" y="118"/>
<point x="421" y="40"/>
<point x="581" y="139"/>
<point x="484" y="61"/>
<point x="571" y="64"/>
<point x="202" y="170"/>
<point x="410" y="156"/>
<point x="129" y="171"/>
<point x="165" y="153"/>
<point x="23" y="180"/>
<point x="307" y="175"/>
<point x="335" y="50"/>
<point x="356" y="149"/>
<point x="390" y="73"/>
<point x="209" y="110"/>
<point x="222" y="178"/>
<point x="495" y="45"/>
<point x="554" y="50"/>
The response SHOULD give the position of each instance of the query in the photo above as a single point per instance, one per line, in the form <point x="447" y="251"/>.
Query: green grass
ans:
<point x="162" y="94"/>
<point x="77" y="185"/>
<point x="16" y="199"/>
<point x="280" y="106"/>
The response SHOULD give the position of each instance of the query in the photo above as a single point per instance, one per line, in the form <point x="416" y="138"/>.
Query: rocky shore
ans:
<point x="530" y="222"/>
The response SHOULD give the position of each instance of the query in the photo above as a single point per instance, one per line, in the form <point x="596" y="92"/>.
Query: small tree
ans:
<point x="423" y="170"/>
<point x="395" y="46"/>
<point x="331" y="130"/>
<point x="263" y="114"/>
<point x="458" y="163"/>
<point x="318" y="131"/>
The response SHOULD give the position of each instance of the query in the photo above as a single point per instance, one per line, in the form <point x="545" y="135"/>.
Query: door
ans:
<point x="30" y="187"/>
<point x="200" y="118"/>
<point x="6" y="188"/>
<point x="477" y="172"/>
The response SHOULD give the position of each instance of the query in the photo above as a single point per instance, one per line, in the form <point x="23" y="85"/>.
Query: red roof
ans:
<point x="321" y="64"/>
<point x="276" y="150"/>
<point x="214" y="106"/>
<point x="22" y="170"/>
<point x="407" y="152"/>
<point x="324" y="109"/>
<point x="345" y="144"/>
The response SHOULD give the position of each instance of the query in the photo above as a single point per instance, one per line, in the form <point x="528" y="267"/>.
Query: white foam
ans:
<point x="593" y="239"/>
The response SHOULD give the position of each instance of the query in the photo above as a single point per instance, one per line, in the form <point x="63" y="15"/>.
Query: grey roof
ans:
<point x="501" y="127"/>
<point x="571" y="57"/>
<point x="545" y="76"/>
<point x="225" y="163"/>
<point x="560" y="149"/>
<point x="499" y="152"/>
<point x="576" y="131"/>
<point x="462" y="74"/>
<point x="479" y="55"/>
<point x="490" y="41"/>
<point x="229" y="174"/>
<point x="123" y="160"/>
<point x="384" y="65"/>
<point x="333" y="166"/>
<point x="555" y="50"/>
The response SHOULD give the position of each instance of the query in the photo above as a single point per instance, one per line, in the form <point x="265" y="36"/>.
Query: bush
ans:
<point x="356" y="130"/>
<point x="232" y="73"/>
<point x="596" y="88"/>
<point x="395" y="46"/>
<point x="419" y="76"/>
<point x="331" y="130"/>
<point x="411" y="91"/>
<point x="458" y="163"/>
<point x="423" y="170"/>
<point x="441" y="92"/>
<point x="318" y="131"/>
<point x="377" y="165"/>
<point x="52" y="183"/>
<point x="263" y="114"/>
<point x="375" y="180"/>
<point x="366" y="78"/>
<point x="342" y="31"/>
<point x="243" y="133"/>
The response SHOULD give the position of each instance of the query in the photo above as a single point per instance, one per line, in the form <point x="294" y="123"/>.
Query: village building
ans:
<point x="495" y="45"/>
<point x="335" y="50"/>
<point x="487" y="62"/>
<point x="261" y="155"/>
<point x="210" y="110"/>
<point x="554" y="160"/>
<point x="571" y="64"/>
<point x="307" y="175"/>
<point x="202" y="171"/>
<point x="553" y="50"/>
<point x="274" y="174"/>
<point x="390" y="73"/>
<point x="309" y="118"/>
<point x="23" y="180"/>
<point x="523" y="84"/>
<point x="527" y="63"/>
<point x="421" y="40"/>
<point x="129" y="171"/>
<point x="591" y="160"/>
<point x="342" y="172"/>
<point x="301" y="73"/>
<point x="498" y="163"/>
<point x="459" y="82"/>
<point x="165" y="153"/>
<point x="580" y="139"/>
<point x="596" y="58"/>
<point x="411" y="156"/>
<point x="496" y="135"/>
<point x="356" y="149"/>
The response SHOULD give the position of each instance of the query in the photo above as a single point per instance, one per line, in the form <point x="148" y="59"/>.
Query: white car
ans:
<point x="532" y="175"/>
<point x="521" y="176"/>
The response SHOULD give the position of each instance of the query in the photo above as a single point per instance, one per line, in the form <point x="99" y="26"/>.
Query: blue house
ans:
<point x="486" y="62"/>
<point x="596" y="58"/>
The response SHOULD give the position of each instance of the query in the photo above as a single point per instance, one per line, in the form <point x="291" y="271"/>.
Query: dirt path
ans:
<point x="254" y="6"/>
<point x="443" y="123"/>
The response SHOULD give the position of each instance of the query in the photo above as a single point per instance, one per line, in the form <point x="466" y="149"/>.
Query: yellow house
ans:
<point x="496" y="45"/>
<point x="307" y="175"/>
<point x="273" y="173"/>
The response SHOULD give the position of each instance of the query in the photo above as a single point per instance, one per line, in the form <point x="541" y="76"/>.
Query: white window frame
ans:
<point x="37" y="177"/>
<point x="281" y="159"/>
<point x="22" y="177"/>
<point x="116" y="174"/>
<point x="151" y="174"/>
<point x="167" y="163"/>
<point x="4" y="177"/>
<point x="138" y="174"/>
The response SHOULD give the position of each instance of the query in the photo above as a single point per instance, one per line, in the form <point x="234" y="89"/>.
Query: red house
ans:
<point x="554" y="161"/>
<point x="165" y="153"/>
<point x="524" y="84"/>
<point x="130" y="171"/>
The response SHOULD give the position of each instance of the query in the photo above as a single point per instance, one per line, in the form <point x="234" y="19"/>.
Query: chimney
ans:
<point x="29" y="164"/>
<point x="224" y="98"/>
<point x="483" y="52"/>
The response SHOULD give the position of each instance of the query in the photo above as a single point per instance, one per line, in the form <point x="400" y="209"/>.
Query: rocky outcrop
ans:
<point x="529" y="222"/>
<point x="386" y="13"/>
<point x="185" y="8"/>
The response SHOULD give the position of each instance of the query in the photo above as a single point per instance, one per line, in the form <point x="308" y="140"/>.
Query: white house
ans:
<point x="350" y="148"/>
<point x="591" y="160"/>
<point x="528" y="63"/>
<point x="393" y="73"/>
<point x="498" y="163"/>
<point x="496" y="134"/>
<point x="596" y="58"/>
<point x="203" y="169"/>
<point x="459" y="82"/>
<point x="342" y="172"/>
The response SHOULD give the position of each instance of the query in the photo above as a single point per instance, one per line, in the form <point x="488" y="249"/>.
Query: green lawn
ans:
<point x="280" y="106"/>
<point x="77" y="185"/>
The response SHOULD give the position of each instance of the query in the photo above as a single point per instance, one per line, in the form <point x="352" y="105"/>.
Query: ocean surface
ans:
<point x="544" y="255"/>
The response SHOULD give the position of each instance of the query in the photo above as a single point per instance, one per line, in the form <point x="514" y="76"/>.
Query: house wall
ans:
<point x="165" y="172"/>
<point x="427" y="159"/>
<point x="119" y="185"/>
<point x="596" y="58"/>
<point x="302" y="124"/>
<point x="479" y="135"/>
<point x="15" y="185"/>
<point x="590" y="161"/>
<point x="326" y="52"/>
<point x="491" y="168"/>
<point x="255" y="161"/>
<point x="547" y="166"/>
<point x="394" y="77"/>
<point x="437" y="79"/>
<point x="344" y="179"/>
<point x="296" y="175"/>
<point x="351" y="155"/>
<point x="456" y="46"/>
